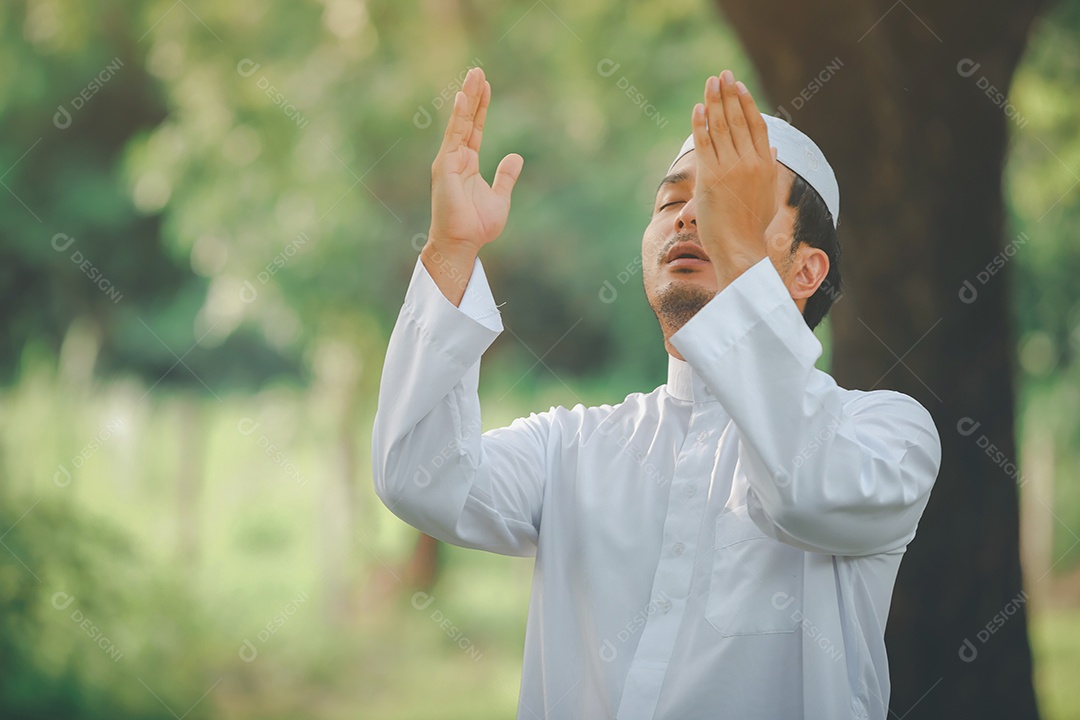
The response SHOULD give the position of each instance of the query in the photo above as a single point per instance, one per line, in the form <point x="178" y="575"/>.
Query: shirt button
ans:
<point x="702" y="436"/>
<point x="678" y="548"/>
<point x="664" y="605"/>
<point x="690" y="490"/>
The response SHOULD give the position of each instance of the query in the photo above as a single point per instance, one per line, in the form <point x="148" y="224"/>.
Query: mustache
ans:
<point x="680" y="237"/>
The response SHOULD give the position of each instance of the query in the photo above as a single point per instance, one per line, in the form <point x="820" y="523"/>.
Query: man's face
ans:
<point x="679" y="277"/>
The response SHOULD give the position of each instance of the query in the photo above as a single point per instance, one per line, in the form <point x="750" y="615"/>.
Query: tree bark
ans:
<point x="919" y="147"/>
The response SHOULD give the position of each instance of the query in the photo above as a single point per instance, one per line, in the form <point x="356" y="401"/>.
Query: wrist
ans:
<point x="454" y="251"/>
<point x="450" y="267"/>
<point x="733" y="265"/>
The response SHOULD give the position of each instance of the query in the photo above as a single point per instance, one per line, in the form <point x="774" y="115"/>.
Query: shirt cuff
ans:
<point x="477" y="303"/>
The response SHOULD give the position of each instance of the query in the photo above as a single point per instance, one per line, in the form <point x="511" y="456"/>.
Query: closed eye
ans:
<point x="665" y="206"/>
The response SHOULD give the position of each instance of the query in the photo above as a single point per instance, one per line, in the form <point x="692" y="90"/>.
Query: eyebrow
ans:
<point x="673" y="179"/>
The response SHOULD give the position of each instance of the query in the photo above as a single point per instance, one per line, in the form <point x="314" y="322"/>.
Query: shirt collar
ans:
<point x="684" y="384"/>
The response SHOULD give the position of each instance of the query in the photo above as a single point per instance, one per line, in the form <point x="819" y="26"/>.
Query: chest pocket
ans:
<point x="756" y="582"/>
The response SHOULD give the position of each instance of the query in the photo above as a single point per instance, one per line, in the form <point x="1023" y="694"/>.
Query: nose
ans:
<point x="686" y="216"/>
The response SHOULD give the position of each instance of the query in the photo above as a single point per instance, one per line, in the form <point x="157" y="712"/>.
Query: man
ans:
<point x="722" y="547"/>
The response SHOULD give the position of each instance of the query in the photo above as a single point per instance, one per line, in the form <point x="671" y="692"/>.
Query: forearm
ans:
<point x="450" y="268"/>
<point x="430" y="464"/>
<point x="445" y="478"/>
<point x="421" y="469"/>
<point x="432" y="360"/>
<point x="828" y="469"/>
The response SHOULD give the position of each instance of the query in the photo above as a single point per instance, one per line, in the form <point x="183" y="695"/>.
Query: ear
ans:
<point x="808" y="271"/>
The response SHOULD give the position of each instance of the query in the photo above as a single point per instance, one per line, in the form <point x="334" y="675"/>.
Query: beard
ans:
<point x="677" y="302"/>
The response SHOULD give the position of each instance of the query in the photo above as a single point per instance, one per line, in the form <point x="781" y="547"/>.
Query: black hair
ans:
<point x="814" y="226"/>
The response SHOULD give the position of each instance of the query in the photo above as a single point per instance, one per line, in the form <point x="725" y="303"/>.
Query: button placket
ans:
<point x="675" y="571"/>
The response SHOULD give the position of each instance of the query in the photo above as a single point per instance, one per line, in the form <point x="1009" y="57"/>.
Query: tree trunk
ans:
<point x="1037" y="518"/>
<point x="422" y="570"/>
<point x="894" y="95"/>
<point x="335" y="393"/>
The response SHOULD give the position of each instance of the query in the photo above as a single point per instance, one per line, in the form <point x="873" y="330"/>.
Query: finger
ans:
<point x="507" y="174"/>
<point x="700" y="130"/>
<point x="717" y="122"/>
<point x="703" y="146"/>
<point x="460" y="125"/>
<point x="759" y="131"/>
<point x="733" y="112"/>
<point x="481" y="116"/>
<point x="457" y="125"/>
<point x="702" y="140"/>
<point x="475" y="93"/>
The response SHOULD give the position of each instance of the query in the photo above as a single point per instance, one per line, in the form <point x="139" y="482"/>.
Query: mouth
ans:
<point x="686" y="255"/>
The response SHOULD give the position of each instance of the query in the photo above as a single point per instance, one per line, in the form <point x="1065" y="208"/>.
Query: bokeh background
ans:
<point x="210" y="214"/>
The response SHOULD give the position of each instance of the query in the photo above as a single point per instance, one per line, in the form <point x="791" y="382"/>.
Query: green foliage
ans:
<point x="87" y="629"/>
<point x="181" y="619"/>
<point x="1042" y="185"/>
<point x="252" y="177"/>
<point x="81" y="247"/>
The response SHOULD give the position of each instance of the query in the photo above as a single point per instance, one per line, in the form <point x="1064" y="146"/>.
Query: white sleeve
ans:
<point x="431" y="465"/>
<point x="828" y="470"/>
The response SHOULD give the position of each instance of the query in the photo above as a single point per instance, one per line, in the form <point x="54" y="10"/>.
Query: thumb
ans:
<point x="507" y="174"/>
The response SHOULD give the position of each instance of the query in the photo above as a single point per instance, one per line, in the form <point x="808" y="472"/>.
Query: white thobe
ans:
<point x="722" y="547"/>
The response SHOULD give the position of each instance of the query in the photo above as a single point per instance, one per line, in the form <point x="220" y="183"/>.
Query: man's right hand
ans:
<point x="466" y="212"/>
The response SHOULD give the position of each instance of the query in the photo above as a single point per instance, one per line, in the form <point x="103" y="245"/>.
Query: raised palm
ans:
<point x="465" y="210"/>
